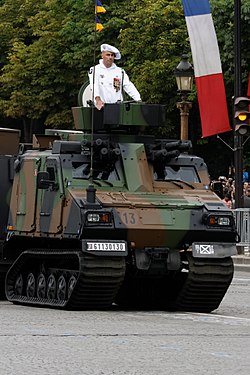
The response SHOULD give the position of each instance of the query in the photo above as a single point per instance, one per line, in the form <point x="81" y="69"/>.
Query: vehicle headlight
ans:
<point x="223" y="221"/>
<point x="218" y="220"/>
<point x="98" y="217"/>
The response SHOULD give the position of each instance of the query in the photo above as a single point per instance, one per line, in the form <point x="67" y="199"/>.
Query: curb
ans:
<point x="241" y="263"/>
<point x="242" y="267"/>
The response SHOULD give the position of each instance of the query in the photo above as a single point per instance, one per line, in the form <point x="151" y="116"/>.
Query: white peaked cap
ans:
<point x="109" y="48"/>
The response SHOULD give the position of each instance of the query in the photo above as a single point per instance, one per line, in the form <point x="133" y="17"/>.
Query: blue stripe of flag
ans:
<point x="196" y="7"/>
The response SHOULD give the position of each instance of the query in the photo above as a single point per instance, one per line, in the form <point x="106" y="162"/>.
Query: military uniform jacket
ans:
<point x="108" y="83"/>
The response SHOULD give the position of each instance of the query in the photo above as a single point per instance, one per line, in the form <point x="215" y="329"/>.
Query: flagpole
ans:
<point x="98" y="27"/>
<point x="238" y="142"/>
<point x="93" y="101"/>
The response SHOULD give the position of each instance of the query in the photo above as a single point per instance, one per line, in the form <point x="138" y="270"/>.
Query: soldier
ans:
<point x="110" y="80"/>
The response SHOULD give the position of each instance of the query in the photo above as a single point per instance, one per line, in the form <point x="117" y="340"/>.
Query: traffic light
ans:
<point x="242" y="115"/>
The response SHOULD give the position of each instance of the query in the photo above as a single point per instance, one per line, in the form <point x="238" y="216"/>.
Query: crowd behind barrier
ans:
<point x="225" y="188"/>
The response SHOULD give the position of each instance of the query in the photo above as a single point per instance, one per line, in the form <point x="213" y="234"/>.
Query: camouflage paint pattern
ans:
<point x="149" y="198"/>
<point x="152" y="213"/>
<point x="117" y="115"/>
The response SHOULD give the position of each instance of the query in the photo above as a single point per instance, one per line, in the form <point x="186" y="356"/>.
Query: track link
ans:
<point x="98" y="283"/>
<point x="2" y="291"/>
<point x="96" y="279"/>
<point x="200" y="289"/>
<point x="206" y="284"/>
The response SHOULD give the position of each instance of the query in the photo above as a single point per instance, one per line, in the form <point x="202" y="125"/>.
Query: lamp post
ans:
<point x="184" y="74"/>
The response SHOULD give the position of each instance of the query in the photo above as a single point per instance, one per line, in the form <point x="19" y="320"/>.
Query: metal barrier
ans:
<point x="242" y="219"/>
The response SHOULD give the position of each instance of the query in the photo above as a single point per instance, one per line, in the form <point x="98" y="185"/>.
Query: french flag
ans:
<point x="207" y="67"/>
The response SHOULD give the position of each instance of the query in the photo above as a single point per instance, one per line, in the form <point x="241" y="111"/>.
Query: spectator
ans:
<point x="245" y="188"/>
<point x="245" y="175"/>
<point x="246" y="199"/>
<point x="227" y="200"/>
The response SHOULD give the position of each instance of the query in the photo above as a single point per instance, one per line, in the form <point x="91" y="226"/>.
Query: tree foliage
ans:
<point x="47" y="47"/>
<point x="223" y="17"/>
<point x="153" y="42"/>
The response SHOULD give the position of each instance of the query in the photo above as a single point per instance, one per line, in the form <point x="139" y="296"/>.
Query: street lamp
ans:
<point x="184" y="74"/>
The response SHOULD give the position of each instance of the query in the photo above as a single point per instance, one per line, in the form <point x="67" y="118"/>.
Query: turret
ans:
<point x="119" y="116"/>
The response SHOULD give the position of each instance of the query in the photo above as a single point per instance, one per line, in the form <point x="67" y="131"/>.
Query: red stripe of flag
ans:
<point x="212" y="104"/>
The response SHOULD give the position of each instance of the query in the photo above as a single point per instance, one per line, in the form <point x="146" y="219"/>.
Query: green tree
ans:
<point x="47" y="47"/>
<point x="14" y="25"/>
<point x="38" y="83"/>
<point x="46" y="65"/>
<point x="223" y="17"/>
<point x="153" y="42"/>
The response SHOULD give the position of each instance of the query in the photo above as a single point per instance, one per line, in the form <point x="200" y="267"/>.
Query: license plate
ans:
<point x="106" y="246"/>
<point x="213" y="250"/>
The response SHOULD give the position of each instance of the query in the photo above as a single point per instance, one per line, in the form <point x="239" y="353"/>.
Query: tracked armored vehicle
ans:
<point x="107" y="214"/>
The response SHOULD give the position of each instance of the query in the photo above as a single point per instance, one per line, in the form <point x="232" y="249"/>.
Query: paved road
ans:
<point x="42" y="341"/>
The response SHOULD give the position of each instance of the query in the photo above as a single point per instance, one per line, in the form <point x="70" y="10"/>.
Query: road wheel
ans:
<point x="31" y="285"/>
<point x="19" y="285"/>
<point x="71" y="285"/>
<point x="51" y="288"/>
<point x="41" y="286"/>
<point x="61" y="288"/>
